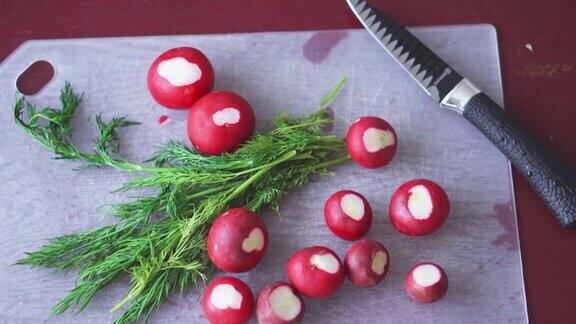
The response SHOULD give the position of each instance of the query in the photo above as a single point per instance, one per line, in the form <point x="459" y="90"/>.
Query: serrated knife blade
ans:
<point x="551" y="180"/>
<point x="434" y="75"/>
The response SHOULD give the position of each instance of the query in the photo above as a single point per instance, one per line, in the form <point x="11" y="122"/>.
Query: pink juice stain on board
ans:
<point x="504" y="214"/>
<point x="318" y="47"/>
<point x="163" y="119"/>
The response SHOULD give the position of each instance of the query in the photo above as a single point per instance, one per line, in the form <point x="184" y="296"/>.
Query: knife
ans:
<point x="550" y="179"/>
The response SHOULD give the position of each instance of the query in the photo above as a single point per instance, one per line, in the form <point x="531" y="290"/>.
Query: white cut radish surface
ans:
<point x="426" y="275"/>
<point x="353" y="206"/>
<point x="420" y="202"/>
<point x="325" y="262"/>
<point x="285" y="304"/>
<point x="179" y="72"/>
<point x="379" y="261"/>
<point x="226" y="116"/>
<point x="376" y="139"/>
<point x="225" y="296"/>
<point x="254" y="241"/>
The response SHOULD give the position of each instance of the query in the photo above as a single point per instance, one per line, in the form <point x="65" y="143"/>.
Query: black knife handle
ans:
<point x="550" y="179"/>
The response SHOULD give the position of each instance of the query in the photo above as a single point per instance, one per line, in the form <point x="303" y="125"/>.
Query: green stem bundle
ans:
<point x="167" y="254"/>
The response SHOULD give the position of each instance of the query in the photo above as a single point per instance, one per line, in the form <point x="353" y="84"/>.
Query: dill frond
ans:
<point x="160" y="240"/>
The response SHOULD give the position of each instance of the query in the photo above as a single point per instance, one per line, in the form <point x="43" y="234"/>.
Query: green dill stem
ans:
<point x="337" y="161"/>
<point x="286" y="157"/>
<point x="212" y="190"/>
<point x="312" y="123"/>
<point x="126" y="165"/>
<point x="238" y="190"/>
<point x="293" y="156"/>
<point x="301" y="156"/>
<point x="325" y="148"/>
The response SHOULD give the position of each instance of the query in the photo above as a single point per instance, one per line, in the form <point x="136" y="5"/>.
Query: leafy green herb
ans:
<point x="167" y="253"/>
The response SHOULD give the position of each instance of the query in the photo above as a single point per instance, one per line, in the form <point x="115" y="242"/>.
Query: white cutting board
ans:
<point x="478" y="246"/>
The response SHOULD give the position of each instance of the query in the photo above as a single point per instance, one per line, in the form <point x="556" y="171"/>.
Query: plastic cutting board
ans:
<point x="478" y="246"/>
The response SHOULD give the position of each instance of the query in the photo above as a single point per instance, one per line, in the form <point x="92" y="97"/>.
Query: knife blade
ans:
<point x="551" y="180"/>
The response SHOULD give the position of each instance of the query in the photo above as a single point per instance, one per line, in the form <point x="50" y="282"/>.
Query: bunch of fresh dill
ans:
<point x="167" y="254"/>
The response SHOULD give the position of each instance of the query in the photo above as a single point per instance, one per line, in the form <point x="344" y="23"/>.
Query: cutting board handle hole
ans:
<point x="35" y="78"/>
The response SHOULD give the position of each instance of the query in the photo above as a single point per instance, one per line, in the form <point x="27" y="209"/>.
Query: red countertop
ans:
<point x="538" y="53"/>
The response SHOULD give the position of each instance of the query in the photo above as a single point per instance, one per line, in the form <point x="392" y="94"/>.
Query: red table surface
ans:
<point x="538" y="83"/>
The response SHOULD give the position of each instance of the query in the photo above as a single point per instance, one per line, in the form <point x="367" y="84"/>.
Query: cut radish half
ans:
<point x="227" y="300"/>
<point x="366" y="263"/>
<point x="426" y="283"/>
<point x="371" y="142"/>
<point x="419" y="207"/>
<point x="220" y="122"/>
<point x="179" y="77"/>
<point x="279" y="303"/>
<point x="237" y="240"/>
<point x="316" y="272"/>
<point x="348" y="215"/>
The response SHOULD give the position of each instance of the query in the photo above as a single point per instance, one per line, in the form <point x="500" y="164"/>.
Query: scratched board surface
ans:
<point x="478" y="246"/>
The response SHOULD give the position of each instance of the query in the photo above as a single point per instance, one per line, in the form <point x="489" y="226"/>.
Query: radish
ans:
<point x="426" y="283"/>
<point x="419" y="207"/>
<point x="348" y="215"/>
<point x="371" y="142"/>
<point x="219" y="122"/>
<point x="228" y="300"/>
<point x="366" y="263"/>
<point x="179" y="77"/>
<point x="237" y="240"/>
<point x="279" y="303"/>
<point x="316" y="272"/>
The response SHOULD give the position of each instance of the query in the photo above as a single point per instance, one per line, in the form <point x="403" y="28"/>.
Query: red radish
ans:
<point x="316" y="272"/>
<point x="179" y="77"/>
<point x="237" y="240"/>
<point x="426" y="283"/>
<point x="348" y="215"/>
<point x="219" y="122"/>
<point x="279" y="303"/>
<point x="228" y="300"/>
<point x="371" y="142"/>
<point x="366" y="263"/>
<point x="419" y="207"/>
